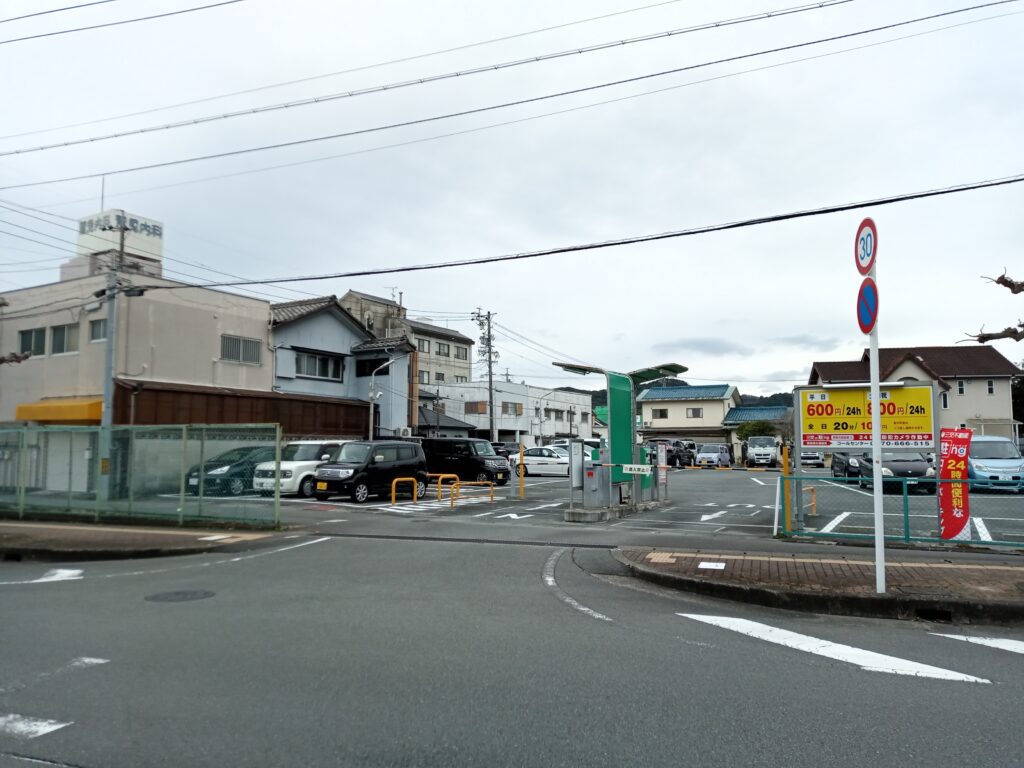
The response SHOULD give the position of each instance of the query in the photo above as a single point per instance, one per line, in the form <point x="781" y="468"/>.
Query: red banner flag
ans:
<point x="954" y="506"/>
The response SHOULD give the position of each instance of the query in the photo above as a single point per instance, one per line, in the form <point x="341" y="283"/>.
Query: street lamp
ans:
<point x="373" y="396"/>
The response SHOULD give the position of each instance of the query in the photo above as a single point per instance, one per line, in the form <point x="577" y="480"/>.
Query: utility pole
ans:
<point x="483" y="319"/>
<point x="107" y="415"/>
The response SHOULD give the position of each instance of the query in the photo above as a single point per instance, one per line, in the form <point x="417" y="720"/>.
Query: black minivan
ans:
<point x="469" y="458"/>
<point x="363" y="467"/>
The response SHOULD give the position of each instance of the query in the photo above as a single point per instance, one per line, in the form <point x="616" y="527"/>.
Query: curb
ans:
<point x="50" y="554"/>
<point x="888" y="606"/>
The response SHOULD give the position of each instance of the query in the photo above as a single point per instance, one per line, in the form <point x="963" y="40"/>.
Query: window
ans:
<point x="584" y="418"/>
<point x="476" y="406"/>
<point x="240" y="349"/>
<point x="439" y="377"/>
<point x="991" y="386"/>
<point x="695" y="413"/>
<point x="424" y="377"/>
<point x="659" y="413"/>
<point x="423" y="345"/>
<point x="98" y="329"/>
<point x="961" y="387"/>
<point x="33" y="340"/>
<point x="944" y="400"/>
<point x="461" y="379"/>
<point x="443" y="350"/>
<point x="511" y="409"/>
<point x="406" y="452"/>
<point x="367" y="366"/>
<point x="63" y="339"/>
<point x="319" y="366"/>
<point x="558" y="415"/>
<point x="461" y="353"/>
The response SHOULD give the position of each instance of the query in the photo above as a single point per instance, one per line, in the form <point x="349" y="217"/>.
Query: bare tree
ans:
<point x="1012" y="332"/>
<point x="15" y="357"/>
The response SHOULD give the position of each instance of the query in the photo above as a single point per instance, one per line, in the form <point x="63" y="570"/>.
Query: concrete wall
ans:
<point x="434" y="363"/>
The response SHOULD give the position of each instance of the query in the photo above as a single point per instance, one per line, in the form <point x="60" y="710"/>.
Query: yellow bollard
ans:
<point x="397" y="480"/>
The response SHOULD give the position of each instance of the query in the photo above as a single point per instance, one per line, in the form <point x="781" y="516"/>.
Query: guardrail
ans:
<point x="440" y="478"/>
<point x="397" y="480"/>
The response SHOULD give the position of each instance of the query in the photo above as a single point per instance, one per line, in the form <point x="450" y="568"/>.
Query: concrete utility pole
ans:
<point x="107" y="415"/>
<point x="483" y="319"/>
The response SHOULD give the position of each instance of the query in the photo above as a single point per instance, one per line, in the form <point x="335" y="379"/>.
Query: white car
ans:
<point x="299" y="460"/>
<point x="549" y="460"/>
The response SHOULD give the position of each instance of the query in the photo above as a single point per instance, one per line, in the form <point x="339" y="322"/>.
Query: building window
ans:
<point x="461" y="353"/>
<point x="461" y="379"/>
<point x="584" y="418"/>
<point x="944" y="400"/>
<point x="423" y="345"/>
<point x="557" y="415"/>
<point x="439" y="377"/>
<point x="319" y="366"/>
<point x="424" y="377"/>
<point x="659" y="413"/>
<point x="98" y="329"/>
<point x="961" y="387"/>
<point x="476" y="407"/>
<point x="991" y="385"/>
<point x="444" y="350"/>
<point x="63" y="339"/>
<point x="511" y="409"/>
<point x="240" y="349"/>
<point x="368" y="366"/>
<point x="32" y="340"/>
<point x="695" y="413"/>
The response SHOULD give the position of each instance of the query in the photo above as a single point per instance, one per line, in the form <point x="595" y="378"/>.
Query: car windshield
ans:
<point x="355" y="453"/>
<point x="302" y="452"/>
<point x="893" y="456"/>
<point x="560" y="450"/>
<point x="231" y="456"/>
<point x="761" y="442"/>
<point x="710" y="448"/>
<point x="483" y="449"/>
<point x="994" y="449"/>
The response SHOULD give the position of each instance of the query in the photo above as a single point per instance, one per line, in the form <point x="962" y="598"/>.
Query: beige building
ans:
<point x="695" y="413"/>
<point x="974" y="382"/>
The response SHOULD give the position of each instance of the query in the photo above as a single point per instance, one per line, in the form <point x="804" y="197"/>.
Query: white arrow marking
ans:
<point x="513" y="516"/>
<point x="745" y="506"/>
<point x="866" y="660"/>
<point x="483" y="514"/>
<point x="712" y="516"/>
<point x="28" y="727"/>
<point x="545" y="506"/>
<point x="59" y="574"/>
<point x="1003" y="644"/>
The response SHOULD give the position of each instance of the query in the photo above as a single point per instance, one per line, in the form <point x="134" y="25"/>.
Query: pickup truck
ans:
<point x="762" y="451"/>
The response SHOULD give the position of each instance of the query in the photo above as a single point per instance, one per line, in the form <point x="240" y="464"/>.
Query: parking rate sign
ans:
<point x="841" y="418"/>
<point x="954" y="504"/>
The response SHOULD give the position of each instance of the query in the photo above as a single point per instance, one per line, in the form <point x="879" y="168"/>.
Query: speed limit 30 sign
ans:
<point x="865" y="247"/>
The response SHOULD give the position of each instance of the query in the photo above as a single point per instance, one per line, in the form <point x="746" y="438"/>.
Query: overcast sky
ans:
<point x="752" y="307"/>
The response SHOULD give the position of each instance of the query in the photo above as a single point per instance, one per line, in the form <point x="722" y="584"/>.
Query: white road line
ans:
<point x="712" y="516"/>
<point x="847" y="487"/>
<point x="549" y="581"/>
<point x="835" y="522"/>
<point x="483" y="514"/>
<point x="545" y="506"/>
<point x="28" y="727"/>
<point x="1002" y="643"/>
<point x="982" y="529"/>
<point x="82" y="662"/>
<point x="215" y="538"/>
<point x="59" y="574"/>
<point x="336" y="520"/>
<point x="866" y="660"/>
<point x="512" y="516"/>
<point x="759" y="482"/>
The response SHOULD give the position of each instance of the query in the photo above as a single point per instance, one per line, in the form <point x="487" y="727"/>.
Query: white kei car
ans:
<point x="299" y="460"/>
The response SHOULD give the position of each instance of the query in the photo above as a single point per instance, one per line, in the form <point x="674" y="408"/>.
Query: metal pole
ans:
<point x="369" y="397"/>
<point x="876" y="460"/>
<point x="103" y="487"/>
<point x="490" y="377"/>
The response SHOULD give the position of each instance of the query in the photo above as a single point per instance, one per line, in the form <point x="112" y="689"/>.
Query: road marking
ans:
<point x="513" y="516"/>
<point x="843" y="485"/>
<point x="545" y="506"/>
<point x="59" y="574"/>
<point x="866" y="660"/>
<point x="28" y="727"/>
<point x="711" y="566"/>
<point x="759" y="482"/>
<point x="712" y="516"/>
<point x="549" y="581"/>
<point x="1002" y="643"/>
<point x="336" y="520"/>
<point x="483" y="514"/>
<point x="982" y="529"/>
<point x="745" y="506"/>
<point x="719" y="530"/>
<point x="215" y="538"/>
<point x="835" y="522"/>
<point x="82" y="662"/>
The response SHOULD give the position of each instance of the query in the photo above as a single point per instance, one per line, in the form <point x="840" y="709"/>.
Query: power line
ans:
<point x="550" y="350"/>
<point x="431" y="78"/>
<point x="56" y="10"/>
<point x="691" y="232"/>
<point x="340" y="72"/>
<point x="119" y="23"/>
<point x="478" y="110"/>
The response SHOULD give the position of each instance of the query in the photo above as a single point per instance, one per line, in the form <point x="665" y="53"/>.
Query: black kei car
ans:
<point x="228" y="473"/>
<point x="469" y="458"/>
<point x="363" y="468"/>
<point x="897" y="469"/>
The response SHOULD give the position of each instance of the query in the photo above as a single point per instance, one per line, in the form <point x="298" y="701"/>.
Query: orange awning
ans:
<point x="62" y="410"/>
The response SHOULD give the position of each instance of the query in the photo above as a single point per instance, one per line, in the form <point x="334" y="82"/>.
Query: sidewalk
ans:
<point x="70" y="541"/>
<point x="942" y="588"/>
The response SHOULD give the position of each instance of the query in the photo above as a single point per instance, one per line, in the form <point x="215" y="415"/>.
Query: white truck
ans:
<point x="762" y="451"/>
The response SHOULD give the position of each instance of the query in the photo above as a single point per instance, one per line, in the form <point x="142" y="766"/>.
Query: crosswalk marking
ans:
<point x="1002" y="643"/>
<point x="28" y="727"/>
<point x="866" y="660"/>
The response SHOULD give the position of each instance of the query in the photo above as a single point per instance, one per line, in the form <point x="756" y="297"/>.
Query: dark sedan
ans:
<point x="230" y="472"/>
<point x="897" y="469"/>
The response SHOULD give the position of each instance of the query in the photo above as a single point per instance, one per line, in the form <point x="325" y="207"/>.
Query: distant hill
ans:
<point x="779" y="398"/>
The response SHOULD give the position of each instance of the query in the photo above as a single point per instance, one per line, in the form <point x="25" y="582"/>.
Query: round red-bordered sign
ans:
<point x="865" y="246"/>
<point x="867" y="305"/>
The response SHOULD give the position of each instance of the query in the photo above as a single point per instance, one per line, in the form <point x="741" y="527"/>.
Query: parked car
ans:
<point x="299" y="460"/>
<point x="897" y="468"/>
<point x="590" y="444"/>
<point x="502" y="449"/>
<point x="995" y="462"/>
<point x="362" y="468"/>
<point x="812" y="459"/>
<point x="846" y="464"/>
<point x="713" y="455"/>
<point x="545" y="460"/>
<point x="678" y="453"/>
<point x="230" y="472"/>
<point x="762" y="450"/>
<point x="467" y="457"/>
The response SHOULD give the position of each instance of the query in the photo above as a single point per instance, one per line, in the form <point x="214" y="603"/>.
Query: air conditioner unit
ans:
<point x="647" y="423"/>
<point x="405" y="432"/>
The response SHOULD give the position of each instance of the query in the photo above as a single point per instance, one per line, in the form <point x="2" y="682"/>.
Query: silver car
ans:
<point x="713" y="455"/>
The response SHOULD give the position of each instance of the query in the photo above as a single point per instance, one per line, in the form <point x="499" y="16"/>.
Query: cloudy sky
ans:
<point x="765" y="135"/>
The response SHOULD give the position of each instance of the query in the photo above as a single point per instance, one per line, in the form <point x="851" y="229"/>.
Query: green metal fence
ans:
<point x="153" y="473"/>
<point x="843" y="508"/>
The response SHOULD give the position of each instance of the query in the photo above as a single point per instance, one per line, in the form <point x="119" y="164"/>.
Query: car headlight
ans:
<point x="981" y="467"/>
<point x="286" y="473"/>
<point x="930" y="472"/>
<point x="218" y="470"/>
<point x="344" y="473"/>
<point x="854" y="463"/>
<point x="886" y="472"/>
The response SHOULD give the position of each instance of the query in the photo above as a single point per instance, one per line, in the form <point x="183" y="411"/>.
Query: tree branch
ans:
<point x="1007" y="333"/>
<point x="1015" y="286"/>
<point x="15" y="357"/>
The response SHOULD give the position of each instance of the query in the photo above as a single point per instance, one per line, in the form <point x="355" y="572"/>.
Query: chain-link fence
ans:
<point x="838" y="508"/>
<point x="180" y="473"/>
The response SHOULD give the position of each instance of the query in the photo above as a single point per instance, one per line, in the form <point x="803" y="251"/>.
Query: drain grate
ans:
<point x="181" y="596"/>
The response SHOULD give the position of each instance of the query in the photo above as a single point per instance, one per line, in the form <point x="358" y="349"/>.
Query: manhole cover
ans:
<point x="181" y="596"/>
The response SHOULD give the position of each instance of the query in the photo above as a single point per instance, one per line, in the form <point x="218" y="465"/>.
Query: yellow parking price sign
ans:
<point x="841" y="418"/>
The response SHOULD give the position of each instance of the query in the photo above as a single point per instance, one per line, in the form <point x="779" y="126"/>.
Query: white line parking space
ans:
<point x="23" y="727"/>
<point x="1002" y="643"/>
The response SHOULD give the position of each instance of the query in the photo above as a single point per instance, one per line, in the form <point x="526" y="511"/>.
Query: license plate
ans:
<point x="321" y="486"/>
<point x="193" y="481"/>
<point x="911" y="482"/>
<point x="501" y="475"/>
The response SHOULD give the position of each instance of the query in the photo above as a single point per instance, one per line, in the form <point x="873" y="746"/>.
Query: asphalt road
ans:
<point x="403" y="650"/>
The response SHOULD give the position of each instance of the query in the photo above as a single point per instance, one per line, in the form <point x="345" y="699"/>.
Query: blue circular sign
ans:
<point x="867" y="305"/>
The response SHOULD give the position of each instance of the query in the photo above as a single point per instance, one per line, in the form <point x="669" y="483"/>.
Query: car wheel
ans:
<point x="236" y="487"/>
<point x="421" y="489"/>
<point x="835" y="473"/>
<point x="482" y="477"/>
<point x="522" y="470"/>
<point x="306" y="487"/>
<point x="321" y="496"/>
<point x="360" y="492"/>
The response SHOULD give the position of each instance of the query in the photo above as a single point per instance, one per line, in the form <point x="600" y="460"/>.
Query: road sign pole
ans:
<point x="876" y="461"/>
